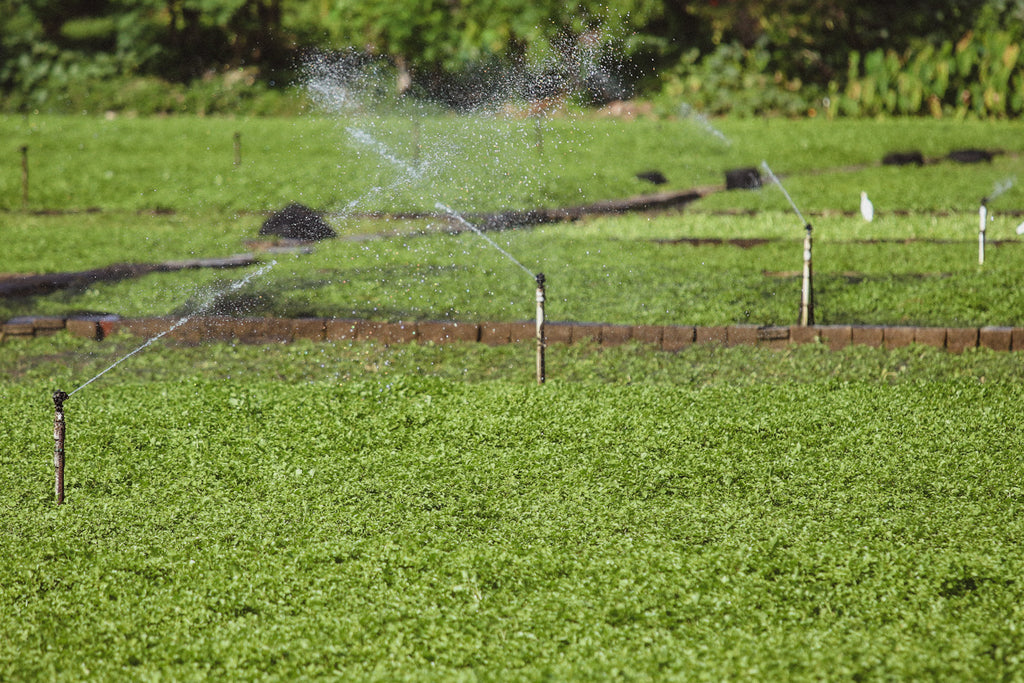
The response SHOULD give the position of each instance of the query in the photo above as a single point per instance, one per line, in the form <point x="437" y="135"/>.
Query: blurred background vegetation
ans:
<point x="940" y="58"/>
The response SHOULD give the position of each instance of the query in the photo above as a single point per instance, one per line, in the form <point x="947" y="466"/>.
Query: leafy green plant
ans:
<point x="374" y="519"/>
<point x="917" y="268"/>
<point x="976" y="75"/>
<point x="738" y="81"/>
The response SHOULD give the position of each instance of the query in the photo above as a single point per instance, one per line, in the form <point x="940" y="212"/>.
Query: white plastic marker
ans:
<point x="867" y="209"/>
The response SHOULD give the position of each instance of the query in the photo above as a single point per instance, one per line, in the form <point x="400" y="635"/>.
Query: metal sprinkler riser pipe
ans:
<point x="541" y="345"/>
<point x="983" y="218"/>
<point x="807" y="287"/>
<point x="58" y="449"/>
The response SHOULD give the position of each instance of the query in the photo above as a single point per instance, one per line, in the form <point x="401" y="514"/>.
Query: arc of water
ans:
<point x="409" y="172"/>
<point x="375" y="191"/>
<point x="775" y="179"/>
<point x="364" y="138"/>
<point x="1002" y="187"/>
<point x="689" y="112"/>
<point x="458" y="217"/>
<point x="413" y="174"/>
<point x="205" y="305"/>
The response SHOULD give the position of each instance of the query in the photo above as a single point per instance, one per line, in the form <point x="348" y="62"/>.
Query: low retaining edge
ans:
<point x="666" y="337"/>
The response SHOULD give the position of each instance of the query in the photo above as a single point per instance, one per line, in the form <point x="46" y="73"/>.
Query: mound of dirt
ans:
<point x="297" y="222"/>
<point x="742" y="179"/>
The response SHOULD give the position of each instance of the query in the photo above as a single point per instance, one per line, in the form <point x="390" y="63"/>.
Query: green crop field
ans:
<point x="485" y="163"/>
<point x="630" y="270"/>
<point x="417" y="512"/>
<point x="144" y="190"/>
<point x="368" y="513"/>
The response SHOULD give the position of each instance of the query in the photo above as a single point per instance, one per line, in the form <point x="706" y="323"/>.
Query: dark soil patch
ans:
<point x="911" y="158"/>
<point x="971" y="156"/>
<point x="297" y="222"/>
<point x="35" y="285"/>
<point x="853" y="277"/>
<point x="743" y="179"/>
<point x="654" y="176"/>
<point x="741" y="242"/>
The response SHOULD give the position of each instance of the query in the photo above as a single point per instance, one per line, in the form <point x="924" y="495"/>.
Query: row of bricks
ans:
<point x="669" y="338"/>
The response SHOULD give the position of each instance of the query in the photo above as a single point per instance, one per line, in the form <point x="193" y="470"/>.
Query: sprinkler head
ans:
<point x="540" y="279"/>
<point x="58" y="399"/>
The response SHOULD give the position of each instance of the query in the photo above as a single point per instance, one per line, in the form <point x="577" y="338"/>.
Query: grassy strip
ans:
<point x="81" y="241"/>
<point x="613" y="270"/>
<point x="628" y="270"/>
<point x="479" y="163"/>
<point x="350" y="511"/>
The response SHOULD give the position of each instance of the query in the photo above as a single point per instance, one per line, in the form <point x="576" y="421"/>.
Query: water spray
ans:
<point x="807" y="288"/>
<point x="341" y="87"/>
<point x="452" y="213"/>
<point x="59" y="397"/>
<point x="538" y="278"/>
<point x="690" y="113"/>
<point x="364" y="138"/>
<point x="58" y="449"/>
<point x="209" y="302"/>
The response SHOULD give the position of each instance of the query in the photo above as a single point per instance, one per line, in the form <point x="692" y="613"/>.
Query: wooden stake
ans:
<point x="238" y="148"/>
<point x="24" y="176"/>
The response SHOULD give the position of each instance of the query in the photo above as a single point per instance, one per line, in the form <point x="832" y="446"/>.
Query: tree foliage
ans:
<point x="48" y="45"/>
<point x="812" y="38"/>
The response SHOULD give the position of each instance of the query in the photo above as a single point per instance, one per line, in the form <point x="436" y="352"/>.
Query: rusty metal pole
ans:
<point x="807" y="290"/>
<point x="541" y="341"/>
<point x="58" y="450"/>
<point x="238" y="148"/>
<point x="24" y="176"/>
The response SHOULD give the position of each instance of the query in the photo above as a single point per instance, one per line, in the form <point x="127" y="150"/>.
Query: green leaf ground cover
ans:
<point x="629" y="270"/>
<point x="620" y="270"/>
<point x="483" y="162"/>
<point x="426" y="513"/>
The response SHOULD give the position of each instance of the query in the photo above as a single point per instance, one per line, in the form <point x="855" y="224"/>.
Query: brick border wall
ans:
<point x="667" y="337"/>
